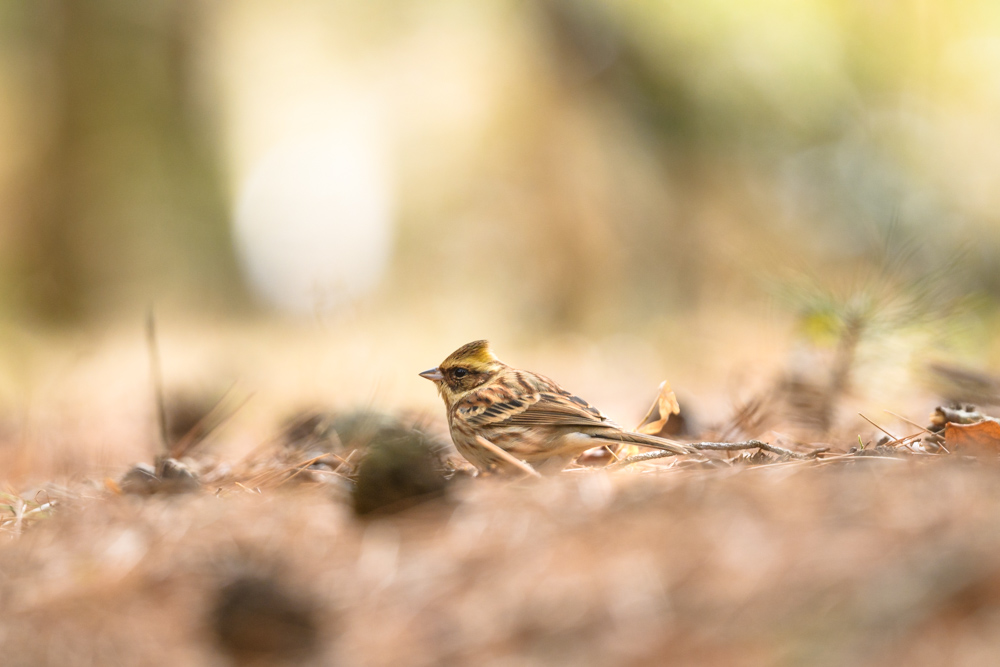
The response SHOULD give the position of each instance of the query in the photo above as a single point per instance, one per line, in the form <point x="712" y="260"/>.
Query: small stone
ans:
<point x="140" y="480"/>
<point x="257" y="620"/>
<point x="399" y="470"/>
<point x="177" y="477"/>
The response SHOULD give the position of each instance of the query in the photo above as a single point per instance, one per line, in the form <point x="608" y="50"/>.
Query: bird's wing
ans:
<point x="525" y="399"/>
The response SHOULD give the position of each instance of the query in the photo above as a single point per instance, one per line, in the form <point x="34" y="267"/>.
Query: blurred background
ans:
<point x="790" y="209"/>
<point x="614" y="192"/>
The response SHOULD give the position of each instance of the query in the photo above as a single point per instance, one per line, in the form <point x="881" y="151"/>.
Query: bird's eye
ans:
<point x="461" y="373"/>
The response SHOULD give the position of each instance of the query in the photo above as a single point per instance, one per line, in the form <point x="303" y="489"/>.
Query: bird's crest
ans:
<point x="477" y="352"/>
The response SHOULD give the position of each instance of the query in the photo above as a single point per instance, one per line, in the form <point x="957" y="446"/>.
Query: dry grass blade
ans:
<point x="748" y="417"/>
<point x="938" y="439"/>
<point x="212" y="420"/>
<point x="156" y="377"/>
<point x="299" y="468"/>
<point x="894" y="438"/>
<point x="912" y="423"/>
<point x="345" y="462"/>
<point x="278" y="471"/>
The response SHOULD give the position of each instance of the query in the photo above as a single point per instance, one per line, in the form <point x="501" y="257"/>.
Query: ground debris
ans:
<point x="399" y="471"/>
<point x="763" y="546"/>
<point x="257" y="620"/>
<point x="509" y="572"/>
<point x="877" y="450"/>
<point x="169" y="476"/>
<point x="141" y="480"/>
<point x="963" y="429"/>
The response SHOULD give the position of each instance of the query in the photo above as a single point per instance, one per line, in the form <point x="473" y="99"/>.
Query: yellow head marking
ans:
<point x="476" y="354"/>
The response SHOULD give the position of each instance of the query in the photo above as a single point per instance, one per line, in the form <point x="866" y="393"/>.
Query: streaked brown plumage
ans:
<point x="525" y="414"/>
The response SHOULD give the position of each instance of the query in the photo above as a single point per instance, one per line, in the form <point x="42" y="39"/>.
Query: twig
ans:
<point x="855" y="457"/>
<point x="719" y="446"/>
<point x="523" y="466"/>
<point x="754" y="444"/>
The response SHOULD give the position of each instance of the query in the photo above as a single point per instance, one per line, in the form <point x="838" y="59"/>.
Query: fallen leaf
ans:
<point x="982" y="439"/>
<point x="659" y="413"/>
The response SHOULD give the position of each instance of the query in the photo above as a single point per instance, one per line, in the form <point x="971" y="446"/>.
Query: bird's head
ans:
<point x="466" y="368"/>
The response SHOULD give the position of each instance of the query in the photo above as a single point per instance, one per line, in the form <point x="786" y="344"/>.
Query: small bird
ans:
<point x="492" y="407"/>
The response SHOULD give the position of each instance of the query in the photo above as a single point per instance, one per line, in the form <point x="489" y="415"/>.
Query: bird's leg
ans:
<point x="554" y="465"/>
<point x="523" y="466"/>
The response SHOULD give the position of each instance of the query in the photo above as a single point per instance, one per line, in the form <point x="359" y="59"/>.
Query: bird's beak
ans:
<point x="434" y="375"/>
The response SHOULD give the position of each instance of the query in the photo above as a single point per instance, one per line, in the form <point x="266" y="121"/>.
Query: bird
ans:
<point x="501" y="417"/>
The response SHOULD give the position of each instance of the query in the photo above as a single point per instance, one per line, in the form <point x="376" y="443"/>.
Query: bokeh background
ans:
<point x="790" y="209"/>
<point x="319" y="199"/>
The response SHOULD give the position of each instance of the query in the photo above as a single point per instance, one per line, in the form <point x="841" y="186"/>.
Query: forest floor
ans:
<point x="283" y="523"/>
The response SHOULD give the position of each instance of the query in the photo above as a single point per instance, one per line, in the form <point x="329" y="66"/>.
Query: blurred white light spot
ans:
<point x="313" y="223"/>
